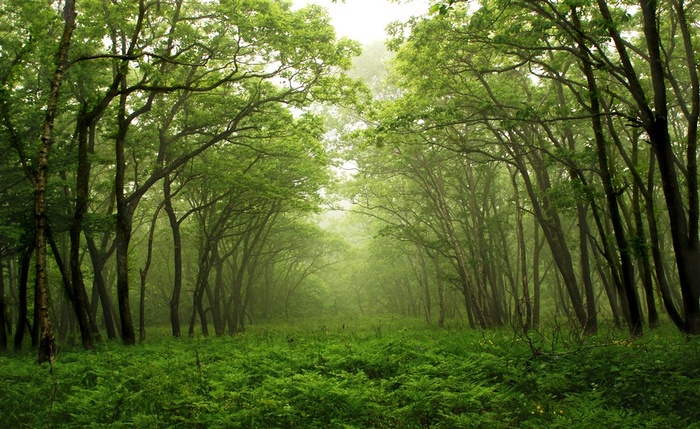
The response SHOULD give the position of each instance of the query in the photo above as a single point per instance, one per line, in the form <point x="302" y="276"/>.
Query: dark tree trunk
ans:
<point x="642" y="253"/>
<point x="22" y="321"/>
<point x="550" y="223"/>
<point x="217" y="298"/>
<point x="610" y="292"/>
<point x="34" y="328"/>
<point x="124" y="223"/>
<point x="177" y="259"/>
<point x="536" y="284"/>
<point x="684" y="231"/>
<point x="143" y="274"/>
<point x="634" y="319"/>
<point x="3" y="324"/>
<point x="76" y="229"/>
<point x="214" y="295"/>
<point x="654" y="119"/>
<point x="592" y="323"/>
<point x="656" y="254"/>
<point x="200" y="289"/>
<point x="99" y="284"/>
<point x="123" y="237"/>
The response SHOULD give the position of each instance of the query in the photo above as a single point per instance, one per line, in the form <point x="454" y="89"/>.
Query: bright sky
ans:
<point x="366" y="20"/>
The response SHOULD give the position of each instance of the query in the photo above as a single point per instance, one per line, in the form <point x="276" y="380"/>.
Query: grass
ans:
<point x="383" y="374"/>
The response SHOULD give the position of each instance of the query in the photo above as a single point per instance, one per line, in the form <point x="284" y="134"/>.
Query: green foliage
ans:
<point x="345" y="376"/>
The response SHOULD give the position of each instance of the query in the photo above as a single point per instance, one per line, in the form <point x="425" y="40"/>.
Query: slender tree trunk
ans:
<point x="46" y="343"/>
<point x="213" y="295"/>
<point x="421" y="276"/>
<point x="634" y="320"/>
<point x="3" y="324"/>
<point x="592" y="323"/>
<point x="64" y="315"/>
<point x="654" y="240"/>
<point x="217" y="299"/>
<point x="143" y="273"/>
<point x="76" y="229"/>
<point x="70" y="292"/>
<point x="11" y="281"/>
<point x="610" y="291"/>
<point x="20" y="329"/>
<point x="536" y="284"/>
<point x="100" y="285"/>
<point x="214" y="312"/>
<point x="34" y="328"/>
<point x="525" y="306"/>
<point x="461" y="260"/>
<point x="247" y="298"/>
<point x="440" y="288"/>
<point x="200" y="289"/>
<point x="123" y="226"/>
<point x="642" y="250"/>
<point x="550" y="223"/>
<point x="237" y="298"/>
<point x="177" y="258"/>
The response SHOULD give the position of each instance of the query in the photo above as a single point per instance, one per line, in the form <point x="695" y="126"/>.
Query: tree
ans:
<point x="645" y="57"/>
<point x="46" y="342"/>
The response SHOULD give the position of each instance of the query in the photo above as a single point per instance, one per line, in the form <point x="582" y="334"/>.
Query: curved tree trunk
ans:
<point x="177" y="258"/>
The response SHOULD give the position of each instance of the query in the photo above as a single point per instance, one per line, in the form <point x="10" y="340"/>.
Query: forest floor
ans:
<point x="389" y="373"/>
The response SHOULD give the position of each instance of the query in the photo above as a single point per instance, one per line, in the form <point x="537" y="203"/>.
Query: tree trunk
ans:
<point x="536" y="284"/>
<point x="46" y="344"/>
<point x="654" y="119"/>
<point x="550" y="223"/>
<point x="99" y="284"/>
<point x="642" y="252"/>
<point x="684" y="232"/>
<point x="440" y="288"/>
<point x="124" y="223"/>
<point x="20" y="329"/>
<point x="123" y="237"/>
<point x="177" y="258"/>
<point x="215" y="295"/>
<point x="592" y="322"/>
<point x="524" y="307"/>
<point x="218" y="299"/>
<point x="200" y="289"/>
<point x="634" y="319"/>
<point x="143" y="273"/>
<point x="76" y="229"/>
<point x="657" y="257"/>
<point x="3" y="324"/>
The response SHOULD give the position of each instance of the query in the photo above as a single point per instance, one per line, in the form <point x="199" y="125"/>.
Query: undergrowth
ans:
<point x="382" y="376"/>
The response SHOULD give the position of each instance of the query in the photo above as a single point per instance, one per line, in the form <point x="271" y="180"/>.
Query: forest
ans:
<point x="219" y="213"/>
